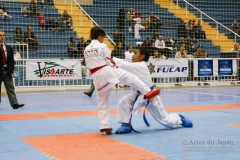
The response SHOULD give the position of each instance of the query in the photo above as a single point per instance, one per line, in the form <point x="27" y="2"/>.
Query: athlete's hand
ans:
<point x="111" y="60"/>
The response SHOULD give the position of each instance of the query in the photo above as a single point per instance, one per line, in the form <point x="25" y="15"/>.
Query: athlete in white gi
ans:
<point x="105" y="77"/>
<point x="127" y="104"/>
<point x="137" y="27"/>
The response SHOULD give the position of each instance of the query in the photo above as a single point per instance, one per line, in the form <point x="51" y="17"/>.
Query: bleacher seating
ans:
<point x="52" y="44"/>
<point x="223" y="11"/>
<point x="106" y="16"/>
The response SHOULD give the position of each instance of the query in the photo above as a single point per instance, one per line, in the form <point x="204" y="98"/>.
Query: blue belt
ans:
<point x="144" y="116"/>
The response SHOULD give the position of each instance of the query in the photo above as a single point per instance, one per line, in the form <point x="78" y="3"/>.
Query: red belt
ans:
<point x="97" y="68"/>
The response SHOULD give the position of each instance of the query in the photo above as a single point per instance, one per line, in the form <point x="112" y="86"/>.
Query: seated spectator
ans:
<point x="41" y="21"/>
<point x="81" y="46"/>
<point x="189" y="45"/>
<point x="181" y="29"/>
<point x="199" y="33"/>
<point x="17" y="36"/>
<point x="129" y="53"/>
<point x="181" y="53"/>
<point x="118" y="51"/>
<point x="156" y="55"/>
<point x="189" y="28"/>
<point x="58" y="25"/>
<point x="152" y="48"/>
<point x="48" y="2"/>
<point x="235" y="26"/>
<point x="130" y="15"/>
<point x="33" y="8"/>
<point x="118" y="37"/>
<point x="235" y="48"/>
<point x="159" y="43"/>
<point x="181" y="43"/>
<point x="24" y="10"/>
<point x="72" y="48"/>
<point x="168" y="47"/>
<point x="138" y="26"/>
<point x="146" y="44"/>
<point x="154" y="22"/>
<point x="155" y="36"/>
<point x="50" y="23"/>
<point x="200" y="53"/>
<point x="66" y="19"/>
<point x="30" y="39"/>
<point x="3" y="12"/>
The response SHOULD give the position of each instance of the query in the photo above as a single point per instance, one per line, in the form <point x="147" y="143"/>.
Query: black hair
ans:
<point x="145" y="52"/>
<point x="97" y="31"/>
<point x="129" y="47"/>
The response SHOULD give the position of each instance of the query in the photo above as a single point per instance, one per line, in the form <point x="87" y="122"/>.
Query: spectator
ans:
<point x="118" y="51"/>
<point x="24" y="10"/>
<point x="156" y="55"/>
<point x="58" y="25"/>
<point x="199" y="34"/>
<point x="41" y="21"/>
<point x="72" y="48"/>
<point x="130" y="15"/>
<point x="200" y="53"/>
<point x="154" y="22"/>
<point x="66" y="19"/>
<point x="155" y="36"/>
<point x="146" y="44"/>
<point x="129" y="54"/>
<point x="30" y="38"/>
<point x="3" y="12"/>
<point x="181" y="29"/>
<point x="50" y="23"/>
<point x="33" y="8"/>
<point x="138" y="26"/>
<point x="121" y="19"/>
<point x="189" y="28"/>
<point x="159" y="43"/>
<point x="81" y="46"/>
<point x="181" y="43"/>
<point x="168" y="47"/>
<point x="118" y="37"/>
<point x="235" y="48"/>
<point x="181" y="53"/>
<point x="234" y="26"/>
<point x="17" y="36"/>
<point x="152" y="48"/>
<point x="189" y="45"/>
<point x="48" y="2"/>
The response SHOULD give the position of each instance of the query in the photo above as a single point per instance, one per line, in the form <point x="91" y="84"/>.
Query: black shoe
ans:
<point x="16" y="106"/>
<point x="88" y="94"/>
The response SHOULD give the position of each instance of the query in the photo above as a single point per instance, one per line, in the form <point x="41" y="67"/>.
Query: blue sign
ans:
<point x="225" y="68"/>
<point x="205" y="68"/>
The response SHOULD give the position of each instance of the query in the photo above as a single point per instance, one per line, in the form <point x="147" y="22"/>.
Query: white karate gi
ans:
<point x="127" y="105"/>
<point x="137" y="27"/>
<point x="95" y="55"/>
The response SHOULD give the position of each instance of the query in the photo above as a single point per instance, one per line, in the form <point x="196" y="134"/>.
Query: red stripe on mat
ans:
<point x="87" y="146"/>
<point x="236" y="125"/>
<point x="22" y="116"/>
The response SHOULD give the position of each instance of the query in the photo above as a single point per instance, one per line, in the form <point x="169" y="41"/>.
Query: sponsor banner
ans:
<point x="203" y="68"/>
<point x="53" y="69"/>
<point x="163" y="68"/>
<point x="216" y="67"/>
<point x="226" y="67"/>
